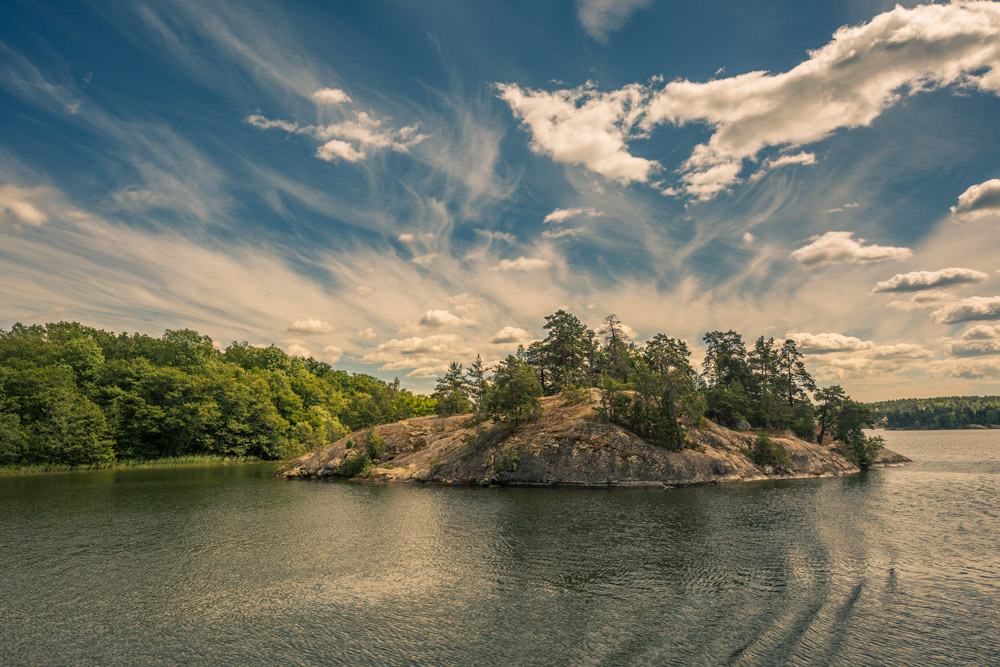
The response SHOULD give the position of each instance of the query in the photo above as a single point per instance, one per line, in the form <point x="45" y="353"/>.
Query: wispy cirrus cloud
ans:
<point x="564" y="214"/>
<point x="601" y="17"/>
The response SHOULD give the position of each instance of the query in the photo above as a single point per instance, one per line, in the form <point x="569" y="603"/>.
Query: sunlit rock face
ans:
<point x="567" y="446"/>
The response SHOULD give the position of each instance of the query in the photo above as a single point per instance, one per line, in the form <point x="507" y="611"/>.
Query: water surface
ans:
<point x="226" y="565"/>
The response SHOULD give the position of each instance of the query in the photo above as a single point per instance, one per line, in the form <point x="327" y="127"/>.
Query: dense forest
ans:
<point x="946" y="412"/>
<point x="74" y="395"/>
<point x="654" y="390"/>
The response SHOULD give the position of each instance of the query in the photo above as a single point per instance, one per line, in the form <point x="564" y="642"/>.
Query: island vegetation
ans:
<point x="946" y="412"/>
<point x="654" y="391"/>
<point x="75" y="396"/>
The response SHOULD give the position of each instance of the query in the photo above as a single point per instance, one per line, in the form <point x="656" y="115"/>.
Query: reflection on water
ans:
<point x="225" y="564"/>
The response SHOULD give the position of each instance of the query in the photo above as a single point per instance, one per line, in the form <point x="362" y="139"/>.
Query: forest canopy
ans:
<point x="74" y="395"/>
<point x="945" y="412"/>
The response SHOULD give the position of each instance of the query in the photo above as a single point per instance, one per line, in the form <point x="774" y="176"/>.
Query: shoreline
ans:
<point x="132" y="464"/>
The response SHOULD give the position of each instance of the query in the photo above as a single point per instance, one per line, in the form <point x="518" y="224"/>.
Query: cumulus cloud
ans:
<point x="511" y="335"/>
<point x="405" y="238"/>
<point x="349" y="140"/>
<point x="365" y="334"/>
<point x="522" y="264"/>
<point x="842" y="248"/>
<point x="309" y="326"/>
<point x="440" y="319"/>
<point x="298" y="350"/>
<point x="982" y="339"/>
<point x="970" y="309"/>
<point x="331" y="354"/>
<point x="748" y="239"/>
<point x="600" y="17"/>
<point x="330" y="96"/>
<point x="862" y="71"/>
<point x="916" y="281"/>
<point x="979" y="201"/>
<point x="584" y="126"/>
<point x="418" y="351"/>
<point x="563" y="214"/>
<point x="824" y="343"/>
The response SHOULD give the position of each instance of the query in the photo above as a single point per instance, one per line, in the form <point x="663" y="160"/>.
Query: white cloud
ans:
<point x="309" y="326"/>
<point x="331" y="354"/>
<point x="970" y="309"/>
<point x="561" y="233"/>
<point x="847" y="83"/>
<point x="824" y="343"/>
<point x="600" y="17"/>
<point x="365" y="334"/>
<point x="510" y="335"/>
<point x="439" y="319"/>
<point x="330" y="96"/>
<point x="784" y="160"/>
<point x="924" y="280"/>
<point x="17" y="207"/>
<point x="463" y="303"/>
<point x="979" y="201"/>
<point x="298" y="350"/>
<point x="348" y="140"/>
<point x="418" y="351"/>
<point x="982" y="339"/>
<point x="841" y="248"/>
<point x="584" y="126"/>
<point x="335" y="149"/>
<point x="748" y="239"/>
<point x="405" y="238"/>
<point x="522" y="264"/>
<point x="364" y="290"/>
<point x="563" y="214"/>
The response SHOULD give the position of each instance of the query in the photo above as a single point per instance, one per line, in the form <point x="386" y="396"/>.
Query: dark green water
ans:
<point x="225" y="565"/>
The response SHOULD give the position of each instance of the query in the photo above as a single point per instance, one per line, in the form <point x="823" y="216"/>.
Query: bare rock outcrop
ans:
<point x="568" y="446"/>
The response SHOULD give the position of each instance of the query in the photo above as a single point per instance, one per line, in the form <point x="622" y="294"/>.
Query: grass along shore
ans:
<point x="130" y="464"/>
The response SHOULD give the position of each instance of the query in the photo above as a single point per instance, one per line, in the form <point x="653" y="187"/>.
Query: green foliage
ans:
<point x="766" y="452"/>
<point x="452" y="392"/>
<point x="358" y="464"/>
<point x="512" y="397"/>
<point x="852" y="418"/>
<point x="576" y="395"/>
<point x="505" y="460"/>
<point x="72" y="395"/>
<point x="374" y="445"/>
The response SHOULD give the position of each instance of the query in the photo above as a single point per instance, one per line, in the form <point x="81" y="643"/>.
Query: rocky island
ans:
<point x="567" y="446"/>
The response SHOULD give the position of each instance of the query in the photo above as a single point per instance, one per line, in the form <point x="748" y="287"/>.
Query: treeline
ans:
<point x="75" y="395"/>
<point x="654" y="390"/>
<point x="946" y="412"/>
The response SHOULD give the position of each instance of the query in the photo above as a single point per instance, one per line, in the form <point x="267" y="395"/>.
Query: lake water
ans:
<point x="226" y="565"/>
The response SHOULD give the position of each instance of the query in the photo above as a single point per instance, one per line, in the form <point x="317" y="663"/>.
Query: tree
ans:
<point x="565" y="350"/>
<point x="452" y="392"/>
<point x="795" y="379"/>
<point x="829" y="399"/>
<point x="513" y="395"/>
<point x="618" y="353"/>
<point x="852" y="418"/>
<point x="476" y="381"/>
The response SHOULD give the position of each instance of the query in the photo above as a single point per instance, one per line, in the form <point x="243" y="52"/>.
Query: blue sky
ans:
<point x="390" y="186"/>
